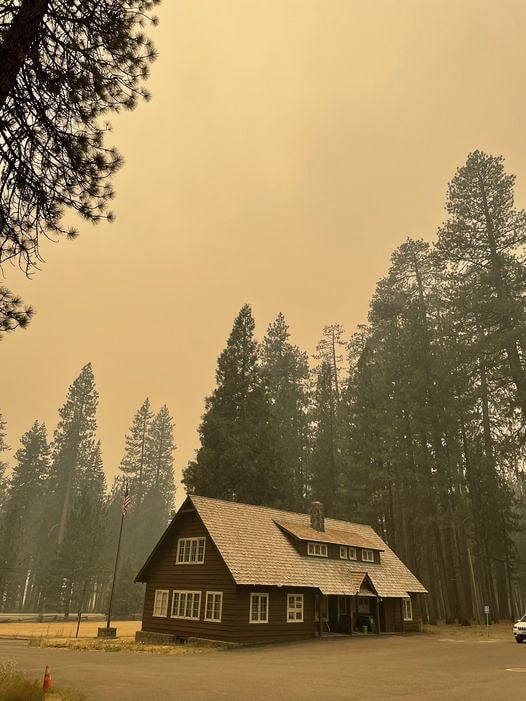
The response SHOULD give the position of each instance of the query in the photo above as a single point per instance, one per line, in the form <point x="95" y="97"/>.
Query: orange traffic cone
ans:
<point x="47" y="680"/>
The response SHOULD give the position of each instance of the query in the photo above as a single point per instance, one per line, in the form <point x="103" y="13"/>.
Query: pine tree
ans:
<point x="79" y="556"/>
<point x="483" y="242"/>
<point x="22" y="516"/>
<point x="65" y="66"/>
<point x="326" y="419"/>
<point x="75" y="471"/>
<point x="286" y="371"/>
<point x="13" y="314"/>
<point x="135" y="460"/>
<point x="237" y="459"/>
<point x="159" y="500"/>
<point x="148" y="467"/>
<point x="324" y="462"/>
<point x="330" y="350"/>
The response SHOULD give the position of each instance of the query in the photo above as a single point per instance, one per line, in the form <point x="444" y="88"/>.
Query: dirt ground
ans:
<point x="412" y="667"/>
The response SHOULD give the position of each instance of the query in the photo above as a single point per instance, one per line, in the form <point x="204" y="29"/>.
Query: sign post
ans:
<point x="486" y="611"/>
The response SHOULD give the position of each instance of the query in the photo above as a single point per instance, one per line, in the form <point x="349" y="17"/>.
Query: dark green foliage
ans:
<point x="134" y="464"/>
<point x="148" y="467"/>
<point x="325" y="462"/>
<point x="286" y="371"/>
<point x="22" y="515"/>
<point x="13" y="314"/>
<point x="65" y="67"/>
<point x="237" y="459"/>
<point x="435" y="401"/>
<point x="74" y="498"/>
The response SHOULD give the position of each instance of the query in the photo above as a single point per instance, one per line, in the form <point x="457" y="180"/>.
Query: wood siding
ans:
<point x="213" y="575"/>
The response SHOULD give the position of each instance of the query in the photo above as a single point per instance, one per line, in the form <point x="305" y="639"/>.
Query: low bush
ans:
<point x="15" y="686"/>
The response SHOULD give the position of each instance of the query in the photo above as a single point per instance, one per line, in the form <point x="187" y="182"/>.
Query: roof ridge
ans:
<point x="281" y="511"/>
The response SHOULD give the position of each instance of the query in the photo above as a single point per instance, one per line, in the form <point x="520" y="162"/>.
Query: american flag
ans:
<point x="126" y="502"/>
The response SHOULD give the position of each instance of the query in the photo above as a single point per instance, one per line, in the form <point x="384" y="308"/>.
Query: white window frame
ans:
<point x="407" y="609"/>
<point x="294" y="608"/>
<point x="188" y="548"/>
<point x="321" y="547"/>
<point x="352" y="554"/>
<point x="213" y="595"/>
<point x="368" y="555"/>
<point x="182" y="610"/>
<point x="260" y="595"/>
<point x="343" y="552"/>
<point x="156" y="606"/>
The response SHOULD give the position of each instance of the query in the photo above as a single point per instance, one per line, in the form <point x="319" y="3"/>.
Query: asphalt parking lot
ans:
<point x="411" y="667"/>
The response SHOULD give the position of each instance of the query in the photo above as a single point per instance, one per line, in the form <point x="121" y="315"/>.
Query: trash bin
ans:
<point x="365" y="629"/>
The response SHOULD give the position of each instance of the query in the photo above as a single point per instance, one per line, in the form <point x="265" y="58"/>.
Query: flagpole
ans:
<point x="116" y="561"/>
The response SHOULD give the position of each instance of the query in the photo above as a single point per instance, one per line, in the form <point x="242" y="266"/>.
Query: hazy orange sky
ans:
<point x="289" y="147"/>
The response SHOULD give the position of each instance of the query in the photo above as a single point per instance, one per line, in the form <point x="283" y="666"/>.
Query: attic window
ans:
<point x="367" y="556"/>
<point x="190" y="551"/>
<point x="317" y="549"/>
<point x="352" y="553"/>
<point x="343" y="552"/>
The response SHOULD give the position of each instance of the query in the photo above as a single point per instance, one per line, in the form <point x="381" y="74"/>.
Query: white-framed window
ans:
<point x="294" y="608"/>
<point x="190" y="551"/>
<point x="343" y="552"/>
<point x="258" y="608"/>
<point x="352" y="553"/>
<point x="186" y="604"/>
<point x="160" y="602"/>
<point x="407" y="609"/>
<point x="213" y="606"/>
<point x="317" y="549"/>
<point x="367" y="555"/>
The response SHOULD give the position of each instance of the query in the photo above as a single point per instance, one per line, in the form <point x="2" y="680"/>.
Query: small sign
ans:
<point x="486" y="610"/>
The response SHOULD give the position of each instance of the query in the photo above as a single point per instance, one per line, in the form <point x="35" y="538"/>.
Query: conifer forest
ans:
<point x="414" y="422"/>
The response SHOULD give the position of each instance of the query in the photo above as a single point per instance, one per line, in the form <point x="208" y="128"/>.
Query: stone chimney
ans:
<point x="317" y="520"/>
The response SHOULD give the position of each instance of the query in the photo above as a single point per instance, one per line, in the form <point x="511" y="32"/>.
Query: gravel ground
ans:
<point x="415" y="667"/>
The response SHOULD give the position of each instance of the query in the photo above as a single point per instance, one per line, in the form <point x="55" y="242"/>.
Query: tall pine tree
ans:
<point x="75" y="472"/>
<point x="286" y="371"/>
<point x="237" y="459"/>
<point x="22" y="517"/>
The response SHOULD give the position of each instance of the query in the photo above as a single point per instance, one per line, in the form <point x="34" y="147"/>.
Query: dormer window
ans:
<point x="317" y="549"/>
<point x="343" y="552"/>
<point x="352" y="553"/>
<point x="367" y="555"/>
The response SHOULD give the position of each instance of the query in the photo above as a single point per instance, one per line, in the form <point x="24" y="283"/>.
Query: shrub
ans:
<point x="15" y="686"/>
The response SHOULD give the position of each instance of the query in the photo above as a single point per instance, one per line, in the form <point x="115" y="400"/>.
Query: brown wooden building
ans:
<point x="242" y="573"/>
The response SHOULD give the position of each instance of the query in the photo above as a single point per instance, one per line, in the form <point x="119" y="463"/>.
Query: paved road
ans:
<point x="410" y="668"/>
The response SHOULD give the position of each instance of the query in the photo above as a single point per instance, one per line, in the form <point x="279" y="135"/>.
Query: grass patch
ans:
<point x="121" y="646"/>
<point x="497" y="631"/>
<point x="17" y="686"/>
<point x="65" y="629"/>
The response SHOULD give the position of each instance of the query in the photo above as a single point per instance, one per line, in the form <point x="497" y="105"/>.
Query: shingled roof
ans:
<point x="258" y="552"/>
<point x="336" y="536"/>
